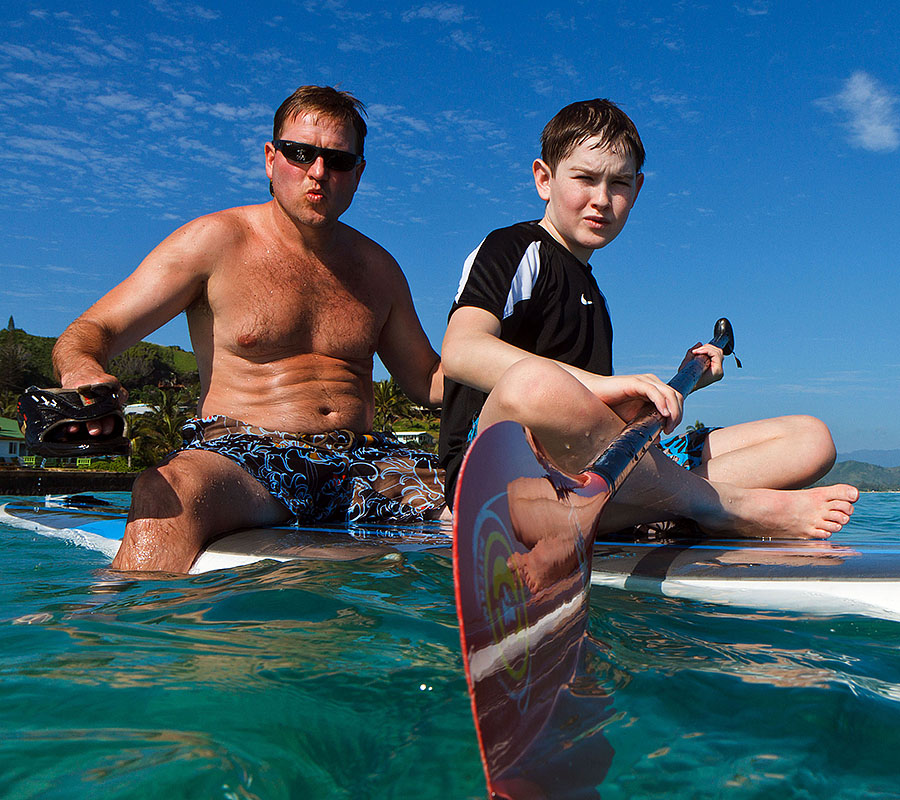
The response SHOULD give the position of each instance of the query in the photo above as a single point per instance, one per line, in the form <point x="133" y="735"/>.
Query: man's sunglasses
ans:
<point x="300" y="153"/>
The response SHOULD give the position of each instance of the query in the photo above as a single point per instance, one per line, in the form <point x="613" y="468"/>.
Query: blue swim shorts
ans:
<point x="339" y="476"/>
<point x="687" y="450"/>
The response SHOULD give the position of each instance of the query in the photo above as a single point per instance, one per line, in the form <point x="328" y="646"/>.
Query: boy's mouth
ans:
<point x="597" y="222"/>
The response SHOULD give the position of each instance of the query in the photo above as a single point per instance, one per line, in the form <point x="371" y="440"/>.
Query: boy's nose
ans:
<point x="601" y="197"/>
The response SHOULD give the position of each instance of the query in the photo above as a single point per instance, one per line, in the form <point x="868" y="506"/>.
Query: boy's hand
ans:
<point x="715" y="371"/>
<point x="626" y="394"/>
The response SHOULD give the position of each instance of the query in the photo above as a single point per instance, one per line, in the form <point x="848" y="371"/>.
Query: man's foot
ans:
<point x="776" y="514"/>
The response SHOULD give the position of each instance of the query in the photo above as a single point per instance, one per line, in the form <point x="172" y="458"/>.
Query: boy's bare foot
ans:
<point x="775" y="514"/>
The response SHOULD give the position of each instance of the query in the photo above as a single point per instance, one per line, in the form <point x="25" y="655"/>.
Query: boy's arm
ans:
<point x="473" y="354"/>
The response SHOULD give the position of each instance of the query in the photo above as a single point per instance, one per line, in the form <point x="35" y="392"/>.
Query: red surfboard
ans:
<point x="523" y="541"/>
<point x="522" y="546"/>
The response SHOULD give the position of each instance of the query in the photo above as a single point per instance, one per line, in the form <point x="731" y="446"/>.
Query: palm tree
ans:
<point x="390" y="404"/>
<point x="696" y="426"/>
<point x="158" y="432"/>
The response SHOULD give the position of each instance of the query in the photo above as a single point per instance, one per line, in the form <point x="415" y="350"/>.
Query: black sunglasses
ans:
<point x="300" y="153"/>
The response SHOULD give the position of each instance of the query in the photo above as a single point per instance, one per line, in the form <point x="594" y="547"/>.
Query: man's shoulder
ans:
<point x="222" y="227"/>
<point x="367" y="250"/>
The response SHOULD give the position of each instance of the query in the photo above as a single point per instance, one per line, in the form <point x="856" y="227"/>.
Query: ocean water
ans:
<point x="344" y="679"/>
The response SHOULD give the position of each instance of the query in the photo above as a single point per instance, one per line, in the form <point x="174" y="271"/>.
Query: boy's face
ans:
<point x="589" y="196"/>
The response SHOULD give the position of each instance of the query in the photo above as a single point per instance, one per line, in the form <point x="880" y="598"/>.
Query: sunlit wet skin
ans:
<point x="180" y="504"/>
<point x="556" y="526"/>
<point x="573" y="426"/>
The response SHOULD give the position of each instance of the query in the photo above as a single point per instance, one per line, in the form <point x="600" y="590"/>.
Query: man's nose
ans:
<point x="318" y="169"/>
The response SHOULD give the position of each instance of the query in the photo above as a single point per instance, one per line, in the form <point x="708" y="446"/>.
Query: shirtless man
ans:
<point x="286" y="307"/>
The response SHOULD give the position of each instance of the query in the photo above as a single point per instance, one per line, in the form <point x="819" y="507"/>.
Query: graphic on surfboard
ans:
<point x="522" y="545"/>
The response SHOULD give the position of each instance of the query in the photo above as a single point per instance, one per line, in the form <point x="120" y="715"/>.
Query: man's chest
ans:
<point x="284" y="309"/>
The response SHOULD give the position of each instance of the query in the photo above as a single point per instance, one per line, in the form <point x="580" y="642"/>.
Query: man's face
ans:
<point x="313" y="194"/>
<point x="589" y="196"/>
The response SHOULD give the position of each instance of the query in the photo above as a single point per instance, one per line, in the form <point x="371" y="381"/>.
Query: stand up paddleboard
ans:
<point x="83" y="520"/>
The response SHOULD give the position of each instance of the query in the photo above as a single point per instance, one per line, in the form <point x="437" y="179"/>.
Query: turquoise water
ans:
<point x="344" y="679"/>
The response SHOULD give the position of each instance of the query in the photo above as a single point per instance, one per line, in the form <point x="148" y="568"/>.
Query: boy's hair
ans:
<point x="580" y="121"/>
<point x="327" y="102"/>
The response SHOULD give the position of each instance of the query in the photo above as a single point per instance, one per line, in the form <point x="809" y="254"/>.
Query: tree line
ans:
<point x="166" y="380"/>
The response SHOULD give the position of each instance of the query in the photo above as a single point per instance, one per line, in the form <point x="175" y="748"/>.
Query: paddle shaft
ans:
<point x="623" y="452"/>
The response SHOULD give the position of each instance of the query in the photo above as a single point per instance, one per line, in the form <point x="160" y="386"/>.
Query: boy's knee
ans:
<point x="814" y="437"/>
<point x="528" y="383"/>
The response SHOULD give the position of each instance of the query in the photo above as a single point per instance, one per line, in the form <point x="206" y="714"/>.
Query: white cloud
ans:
<point x="384" y="115"/>
<point x="463" y="39"/>
<point x="679" y="103"/>
<point x="755" y="9"/>
<point x="871" y="113"/>
<point x="177" y="10"/>
<point x="441" y="12"/>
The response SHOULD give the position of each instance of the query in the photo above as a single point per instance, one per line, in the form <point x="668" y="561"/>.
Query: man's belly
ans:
<point x="303" y="395"/>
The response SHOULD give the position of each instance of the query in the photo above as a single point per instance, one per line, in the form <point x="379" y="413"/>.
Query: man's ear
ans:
<point x="542" y="176"/>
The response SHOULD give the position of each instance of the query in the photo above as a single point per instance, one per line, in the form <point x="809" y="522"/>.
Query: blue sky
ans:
<point x="772" y="132"/>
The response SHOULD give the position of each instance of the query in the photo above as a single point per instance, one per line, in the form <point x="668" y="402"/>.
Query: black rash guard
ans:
<point x="548" y="303"/>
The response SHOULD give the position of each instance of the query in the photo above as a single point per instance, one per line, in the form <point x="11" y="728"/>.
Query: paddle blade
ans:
<point x="523" y="535"/>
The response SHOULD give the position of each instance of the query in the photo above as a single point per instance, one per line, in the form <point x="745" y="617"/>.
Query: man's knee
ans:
<point x="167" y="490"/>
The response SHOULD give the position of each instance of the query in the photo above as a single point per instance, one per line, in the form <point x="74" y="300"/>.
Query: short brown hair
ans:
<point x="580" y="121"/>
<point x="327" y="101"/>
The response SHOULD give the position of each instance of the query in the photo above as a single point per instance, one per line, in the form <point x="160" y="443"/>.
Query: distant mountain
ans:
<point x="866" y="477"/>
<point x="882" y="458"/>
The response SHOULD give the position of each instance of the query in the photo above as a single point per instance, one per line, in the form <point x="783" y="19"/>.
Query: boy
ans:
<point x="529" y="339"/>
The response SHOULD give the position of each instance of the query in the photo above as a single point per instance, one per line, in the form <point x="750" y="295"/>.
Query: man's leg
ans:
<point x="572" y="426"/>
<point x="779" y="453"/>
<point x="180" y="505"/>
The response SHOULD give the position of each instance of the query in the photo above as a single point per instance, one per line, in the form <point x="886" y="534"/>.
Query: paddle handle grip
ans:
<point x="623" y="452"/>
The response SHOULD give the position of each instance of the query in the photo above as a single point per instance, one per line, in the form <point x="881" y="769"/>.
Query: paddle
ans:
<point x="623" y="452"/>
<point x="523" y="536"/>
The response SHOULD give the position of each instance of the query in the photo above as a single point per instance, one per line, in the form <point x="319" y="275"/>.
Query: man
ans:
<point x="529" y="339"/>
<point x="286" y="307"/>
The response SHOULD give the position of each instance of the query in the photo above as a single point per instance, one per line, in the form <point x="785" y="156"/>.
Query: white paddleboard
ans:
<point x="841" y="575"/>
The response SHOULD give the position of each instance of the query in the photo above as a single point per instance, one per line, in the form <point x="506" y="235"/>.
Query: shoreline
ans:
<point x="63" y="481"/>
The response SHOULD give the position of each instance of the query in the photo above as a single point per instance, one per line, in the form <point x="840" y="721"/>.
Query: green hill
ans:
<point x="866" y="477"/>
<point x="25" y="361"/>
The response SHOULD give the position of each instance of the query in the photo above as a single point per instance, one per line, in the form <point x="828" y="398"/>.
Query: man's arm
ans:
<point x="405" y="350"/>
<point x="474" y="354"/>
<point x="163" y="285"/>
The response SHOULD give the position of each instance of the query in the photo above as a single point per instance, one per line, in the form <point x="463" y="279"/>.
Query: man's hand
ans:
<point x="90" y="385"/>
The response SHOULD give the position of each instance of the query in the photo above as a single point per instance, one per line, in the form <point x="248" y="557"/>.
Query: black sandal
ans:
<point x="45" y="415"/>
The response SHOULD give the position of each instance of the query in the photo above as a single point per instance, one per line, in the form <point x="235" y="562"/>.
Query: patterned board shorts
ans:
<point x="339" y="476"/>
